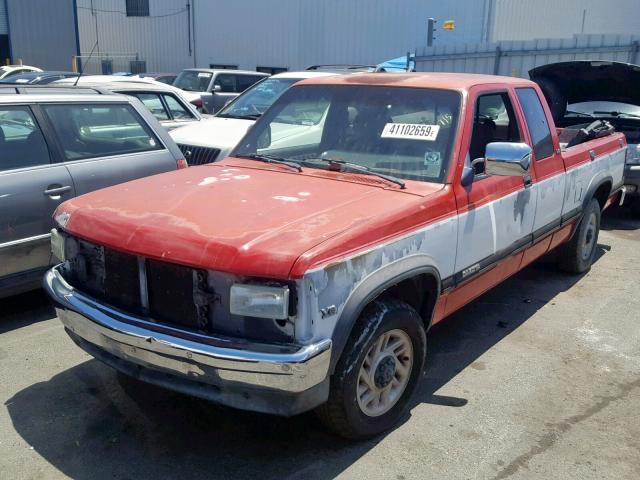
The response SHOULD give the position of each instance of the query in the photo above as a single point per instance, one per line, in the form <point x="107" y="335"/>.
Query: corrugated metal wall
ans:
<point x="161" y="39"/>
<point x="3" y="18"/>
<point x="42" y="32"/>
<point x="295" y="34"/>
<point x="516" y="58"/>
<point x="530" y="19"/>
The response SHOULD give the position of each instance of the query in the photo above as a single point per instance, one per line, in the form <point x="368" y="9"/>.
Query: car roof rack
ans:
<point x="53" y="89"/>
<point x="337" y="67"/>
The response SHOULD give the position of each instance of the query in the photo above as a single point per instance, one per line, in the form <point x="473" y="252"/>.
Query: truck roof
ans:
<point x="450" y="81"/>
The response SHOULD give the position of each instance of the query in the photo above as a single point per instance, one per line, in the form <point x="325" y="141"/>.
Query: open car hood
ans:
<point x="589" y="80"/>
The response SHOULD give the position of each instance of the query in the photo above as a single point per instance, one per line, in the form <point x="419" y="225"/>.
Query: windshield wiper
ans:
<point x="354" y="167"/>
<point x="241" y="117"/>
<point x="584" y="114"/>
<point x="617" y="114"/>
<point x="272" y="159"/>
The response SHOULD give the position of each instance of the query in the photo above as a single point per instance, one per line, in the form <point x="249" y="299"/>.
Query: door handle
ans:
<point x="56" y="191"/>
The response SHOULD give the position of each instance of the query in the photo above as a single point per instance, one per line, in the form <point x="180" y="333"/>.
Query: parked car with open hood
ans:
<point x="581" y="92"/>
<point x="213" y="138"/>
<point x="305" y="270"/>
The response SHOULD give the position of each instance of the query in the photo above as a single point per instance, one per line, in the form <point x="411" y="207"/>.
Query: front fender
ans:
<point x="370" y="288"/>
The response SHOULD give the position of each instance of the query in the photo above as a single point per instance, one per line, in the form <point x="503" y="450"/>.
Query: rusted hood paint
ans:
<point x="246" y="220"/>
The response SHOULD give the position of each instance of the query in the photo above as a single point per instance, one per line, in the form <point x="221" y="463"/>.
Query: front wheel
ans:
<point x="577" y="255"/>
<point x="377" y="372"/>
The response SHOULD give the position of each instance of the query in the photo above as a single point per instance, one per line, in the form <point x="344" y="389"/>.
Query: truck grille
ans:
<point x="170" y="289"/>
<point x="121" y="281"/>
<point x="165" y="292"/>
<point x="177" y="296"/>
<point x="199" y="155"/>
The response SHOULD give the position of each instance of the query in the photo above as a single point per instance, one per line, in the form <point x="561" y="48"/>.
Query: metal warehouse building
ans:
<point x="270" y="35"/>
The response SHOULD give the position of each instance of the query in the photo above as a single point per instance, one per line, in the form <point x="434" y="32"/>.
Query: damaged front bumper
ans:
<point x="282" y="380"/>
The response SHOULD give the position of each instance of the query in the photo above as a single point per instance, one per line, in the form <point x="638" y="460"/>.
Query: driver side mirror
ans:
<point x="217" y="89"/>
<point x="507" y="159"/>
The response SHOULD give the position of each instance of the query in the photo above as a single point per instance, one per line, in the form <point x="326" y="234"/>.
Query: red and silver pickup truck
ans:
<point x="305" y="270"/>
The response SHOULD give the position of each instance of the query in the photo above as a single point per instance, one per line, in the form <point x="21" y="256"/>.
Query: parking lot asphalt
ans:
<point x="539" y="378"/>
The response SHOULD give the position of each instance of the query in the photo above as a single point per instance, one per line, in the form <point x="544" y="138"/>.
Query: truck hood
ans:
<point x="233" y="216"/>
<point x="216" y="132"/>
<point x="583" y="81"/>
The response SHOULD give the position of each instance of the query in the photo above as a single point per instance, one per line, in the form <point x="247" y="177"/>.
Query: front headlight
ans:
<point x="260" y="301"/>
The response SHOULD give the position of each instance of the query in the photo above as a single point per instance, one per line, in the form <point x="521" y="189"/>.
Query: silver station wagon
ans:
<point x="55" y="147"/>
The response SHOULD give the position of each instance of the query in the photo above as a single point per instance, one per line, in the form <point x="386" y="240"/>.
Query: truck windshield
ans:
<point x="402" y="132"/>
<point x="193" y="81"/>
<point x="254" y="101"/>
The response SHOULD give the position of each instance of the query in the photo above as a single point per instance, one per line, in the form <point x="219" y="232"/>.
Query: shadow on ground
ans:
<point x="12" y="310"/>
<point x="626" y="217"/>
<point x="91" y="423"/>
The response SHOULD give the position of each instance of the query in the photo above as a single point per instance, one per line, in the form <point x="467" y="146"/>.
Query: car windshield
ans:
<point x="255" y="101"/>
<point x="402" y="132"/>
<point x="590" y="108"/>
<point x="193" y="81"/>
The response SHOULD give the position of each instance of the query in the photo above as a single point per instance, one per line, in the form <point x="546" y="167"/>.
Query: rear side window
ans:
<point x="178" y="111"/>
<point x="21" y="141"/>
<point x="100" y="130"/>
<point x="536" y="123"/>
<point x="226" y="82"/>
<point x="245" y="81"/>
<point x="153" y="103"/>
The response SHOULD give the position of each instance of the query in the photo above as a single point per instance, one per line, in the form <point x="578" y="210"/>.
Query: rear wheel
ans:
<point x="577" y="255"/>
<point x="377" y="372"/>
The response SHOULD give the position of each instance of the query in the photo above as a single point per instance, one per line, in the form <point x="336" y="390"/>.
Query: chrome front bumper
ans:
<point x="261" y="377"/>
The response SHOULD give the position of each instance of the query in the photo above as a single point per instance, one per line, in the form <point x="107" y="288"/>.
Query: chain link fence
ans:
<point x="516" y="58"/>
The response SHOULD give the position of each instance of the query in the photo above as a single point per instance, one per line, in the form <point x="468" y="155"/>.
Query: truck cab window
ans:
<point x="494" y="121"/>
<point x="536" y="122"/>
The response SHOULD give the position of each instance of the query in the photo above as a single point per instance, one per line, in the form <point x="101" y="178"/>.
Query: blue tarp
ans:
<point x="399" y="64"/>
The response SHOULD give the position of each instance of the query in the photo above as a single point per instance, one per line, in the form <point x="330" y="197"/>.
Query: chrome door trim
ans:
<point x="13" y="243"/>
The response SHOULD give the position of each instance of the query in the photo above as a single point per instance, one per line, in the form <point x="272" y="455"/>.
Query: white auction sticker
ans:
<point x="410" y="131"/>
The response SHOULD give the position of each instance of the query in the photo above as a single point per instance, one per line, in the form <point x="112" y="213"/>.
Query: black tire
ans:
<point x="342" y="413"/>
<point x="577" y="255"/>
<point x="634" y="205"/>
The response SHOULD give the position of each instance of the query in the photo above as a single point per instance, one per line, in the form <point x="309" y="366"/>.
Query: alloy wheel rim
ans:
<point x="589" y="237"/>
<point x="384" y="373"/>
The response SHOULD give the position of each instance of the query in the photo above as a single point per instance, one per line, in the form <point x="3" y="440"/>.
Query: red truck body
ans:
<point x="342" y="239"/>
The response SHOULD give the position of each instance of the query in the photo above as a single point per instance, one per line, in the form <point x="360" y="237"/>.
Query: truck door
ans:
<point x="547" y="163"/>
<point x="496" y="213"/>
